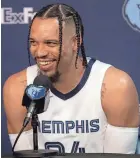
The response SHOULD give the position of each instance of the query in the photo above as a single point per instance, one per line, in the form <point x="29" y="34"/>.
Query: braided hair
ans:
<point x="61" y="12"/>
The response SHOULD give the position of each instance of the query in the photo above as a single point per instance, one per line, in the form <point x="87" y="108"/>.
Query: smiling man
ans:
<point x="93" y="106"/>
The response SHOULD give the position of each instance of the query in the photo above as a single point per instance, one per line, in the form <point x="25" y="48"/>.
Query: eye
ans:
<point x="51" y="43"/>
<point x="32" y="43"/>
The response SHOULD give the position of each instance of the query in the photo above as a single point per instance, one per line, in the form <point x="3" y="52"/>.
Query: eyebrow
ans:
<point x="49" y="40"/>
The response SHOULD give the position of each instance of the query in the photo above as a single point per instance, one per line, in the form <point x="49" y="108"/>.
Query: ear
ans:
<point x="74" y="43"/>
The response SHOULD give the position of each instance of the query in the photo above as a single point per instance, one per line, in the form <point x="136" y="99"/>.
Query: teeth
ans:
<point x="45" y="62"/>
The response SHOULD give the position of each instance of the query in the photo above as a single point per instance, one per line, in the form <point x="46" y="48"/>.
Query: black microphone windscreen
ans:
<point x="42" y="80"/>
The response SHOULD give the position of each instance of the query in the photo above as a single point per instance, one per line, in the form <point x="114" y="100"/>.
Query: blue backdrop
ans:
<point x="112" y="34"/>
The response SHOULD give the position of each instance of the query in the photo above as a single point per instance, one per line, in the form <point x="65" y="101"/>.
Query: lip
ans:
<point x="43" y="60"/>
<point x="46" y="67"/>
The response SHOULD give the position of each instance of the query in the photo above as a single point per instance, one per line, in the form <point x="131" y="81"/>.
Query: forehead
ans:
<point x="44" y="27"/>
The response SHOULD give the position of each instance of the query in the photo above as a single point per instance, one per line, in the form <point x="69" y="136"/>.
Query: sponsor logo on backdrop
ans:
<point x="131" y="13"/>
<point x="9" y="16"/>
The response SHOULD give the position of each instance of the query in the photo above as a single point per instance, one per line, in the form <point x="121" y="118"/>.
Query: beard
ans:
<point x="55" y="77"/>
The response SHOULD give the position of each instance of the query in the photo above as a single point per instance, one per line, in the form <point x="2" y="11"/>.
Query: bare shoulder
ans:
<point x="17" y="77"/>
<point x="13" y="91"/>
<point x="117" y="79"/>
<point x="120" y="98"/>
<point x="14" y="83"/>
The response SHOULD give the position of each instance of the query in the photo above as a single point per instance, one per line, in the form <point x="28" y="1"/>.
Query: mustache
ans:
<point x="43" y="54"/>
<point x="37" y="57"/>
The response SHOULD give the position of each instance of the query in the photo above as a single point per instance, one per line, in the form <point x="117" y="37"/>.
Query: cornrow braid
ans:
<point x="83" y="48"/>
<point x="77" y="26"/>
<point x="28" y="43"/>
<point x="60" y="37"/>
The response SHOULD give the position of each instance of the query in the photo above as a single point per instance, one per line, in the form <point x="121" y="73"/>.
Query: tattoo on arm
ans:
<point x="103" y="91"/>
<point x="24" y="83"/>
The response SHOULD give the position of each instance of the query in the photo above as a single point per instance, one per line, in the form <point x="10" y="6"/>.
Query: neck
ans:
<point x="71" y="78"/>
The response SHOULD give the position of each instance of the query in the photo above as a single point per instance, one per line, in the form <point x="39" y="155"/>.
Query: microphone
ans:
<point x="33" y="99"/>
<point x="34" y="96"/>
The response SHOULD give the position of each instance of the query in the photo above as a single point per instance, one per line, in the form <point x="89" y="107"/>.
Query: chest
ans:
<point x="71" y="116"/>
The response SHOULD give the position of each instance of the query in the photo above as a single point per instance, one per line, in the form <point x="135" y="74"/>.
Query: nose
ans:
<point x="41" y="51"/>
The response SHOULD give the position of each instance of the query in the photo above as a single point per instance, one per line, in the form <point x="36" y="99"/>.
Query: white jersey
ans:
<point x="74" y="122"/>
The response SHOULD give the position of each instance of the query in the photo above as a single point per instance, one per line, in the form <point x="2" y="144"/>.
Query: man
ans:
<point x="93" y="106"/>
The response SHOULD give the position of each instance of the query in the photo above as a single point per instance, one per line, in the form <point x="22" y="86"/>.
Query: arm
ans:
<point x="13" y="91"/>
<point x="120" y="104"/>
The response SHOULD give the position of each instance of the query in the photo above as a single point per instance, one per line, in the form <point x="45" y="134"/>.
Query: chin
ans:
<point x="47" y="73"/>
<point x="53" y="76"/>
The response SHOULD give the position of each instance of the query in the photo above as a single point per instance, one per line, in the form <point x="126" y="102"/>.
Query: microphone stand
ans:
<point x="35" y="124"/>
<point x="35" y="153"/>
